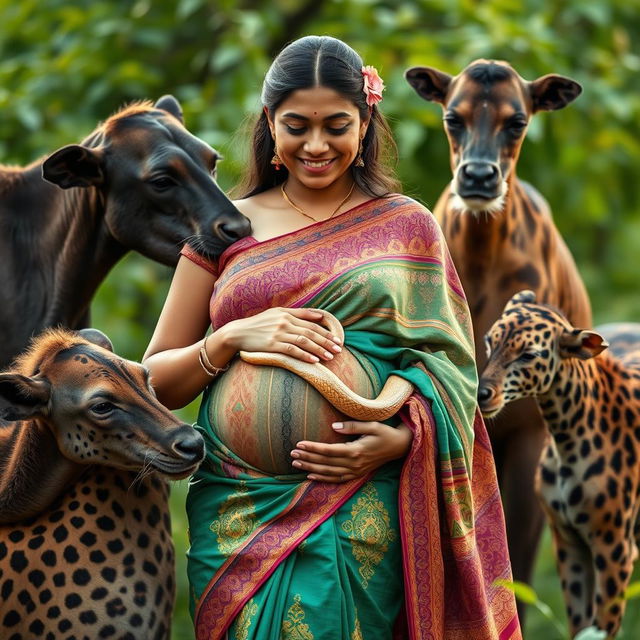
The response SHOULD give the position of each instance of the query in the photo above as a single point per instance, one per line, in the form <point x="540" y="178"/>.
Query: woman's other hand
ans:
<point x="378" y="443"/>
<point x="294" y="332"/>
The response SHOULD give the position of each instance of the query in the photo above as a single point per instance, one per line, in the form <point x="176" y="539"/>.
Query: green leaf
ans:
<point x="522" y="591"/>
<point x="632" y="591"/>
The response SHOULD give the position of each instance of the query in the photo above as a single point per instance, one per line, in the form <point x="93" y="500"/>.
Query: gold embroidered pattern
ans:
<point x="369" y="531"/>
<point x="293" y="628"/>
<point x="244" y="620"/>
<point x="357" y="633"/>
<point x="462" y="511"/>
<point x="237" y="520"/>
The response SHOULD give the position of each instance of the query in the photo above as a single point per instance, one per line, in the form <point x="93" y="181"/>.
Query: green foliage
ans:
<point x="528" y="595"/>
<point x="546" y="583"/>
<point x="65" y="66"/>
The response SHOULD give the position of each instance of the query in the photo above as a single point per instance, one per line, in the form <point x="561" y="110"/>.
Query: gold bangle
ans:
<point x="205" y="363"/>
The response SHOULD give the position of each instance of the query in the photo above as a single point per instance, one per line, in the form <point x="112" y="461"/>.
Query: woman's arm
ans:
<point x="172" y="354"/>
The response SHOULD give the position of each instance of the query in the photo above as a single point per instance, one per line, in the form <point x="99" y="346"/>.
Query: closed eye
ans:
<point x="527" y="356"/>
<point x="296" y="131"/>
<point x="338" y="131"/>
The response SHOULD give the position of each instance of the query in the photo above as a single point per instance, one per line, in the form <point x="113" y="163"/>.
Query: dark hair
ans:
<point x="327" y="62"/>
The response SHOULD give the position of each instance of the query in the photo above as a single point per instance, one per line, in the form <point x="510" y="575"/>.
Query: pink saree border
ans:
<point x="250" y="241"/>
<point x="244" y="572"/>
<point x="398" y="219"/>
<point x="450" y="589"/>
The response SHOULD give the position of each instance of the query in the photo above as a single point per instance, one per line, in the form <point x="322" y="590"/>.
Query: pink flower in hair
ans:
<point x="373" y="85"/>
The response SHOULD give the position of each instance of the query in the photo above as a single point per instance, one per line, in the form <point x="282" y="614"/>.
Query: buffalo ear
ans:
<point x="95" y="336"/>
<point x="171" y="105"/>
<point x="581" y="343"/>
<point x="74" y="166"/>
<point x="429" y="83"/>
<point x="22" y="398"/>
<point x="553" y="92"/>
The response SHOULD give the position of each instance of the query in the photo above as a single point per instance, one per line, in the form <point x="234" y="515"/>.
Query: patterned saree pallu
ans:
<point x="410" y="552"/>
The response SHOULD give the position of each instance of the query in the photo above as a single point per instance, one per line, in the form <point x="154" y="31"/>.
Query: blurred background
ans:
<point x="65" y="65"/>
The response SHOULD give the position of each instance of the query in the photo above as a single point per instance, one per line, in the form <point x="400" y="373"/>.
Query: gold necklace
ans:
<point x="306" y="215"/>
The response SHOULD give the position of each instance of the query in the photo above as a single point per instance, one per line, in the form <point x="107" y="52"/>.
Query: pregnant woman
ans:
<point x="305" y="523"/>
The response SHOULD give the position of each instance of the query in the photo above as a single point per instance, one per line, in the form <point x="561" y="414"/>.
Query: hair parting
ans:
<point x="310" y="62"/>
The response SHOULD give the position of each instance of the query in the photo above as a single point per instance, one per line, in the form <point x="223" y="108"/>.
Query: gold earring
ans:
<point x="276" y="159"/>
<point x="359" y="161"/>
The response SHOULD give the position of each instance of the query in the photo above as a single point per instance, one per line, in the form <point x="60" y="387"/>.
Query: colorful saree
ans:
<point x="412" y="551"/>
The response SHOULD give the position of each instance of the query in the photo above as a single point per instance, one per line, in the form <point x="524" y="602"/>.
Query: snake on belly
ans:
<point x="393" y="395"/>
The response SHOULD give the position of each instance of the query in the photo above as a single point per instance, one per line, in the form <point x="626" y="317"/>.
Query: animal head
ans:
<point x="157" y="182"/>
<point x="525" y="348"/>
<point x="487" y="108"/>
<point x="100" y="408"/>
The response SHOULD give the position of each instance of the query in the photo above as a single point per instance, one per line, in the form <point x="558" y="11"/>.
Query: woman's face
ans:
<point x="317" y="133"/>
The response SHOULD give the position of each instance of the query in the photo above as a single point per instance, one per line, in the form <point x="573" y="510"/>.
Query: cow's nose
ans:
<point x="189" y="445"/>
<point x="484" y="174"/>
<point x="231" y="227"/>
<point x="484" y="393"/>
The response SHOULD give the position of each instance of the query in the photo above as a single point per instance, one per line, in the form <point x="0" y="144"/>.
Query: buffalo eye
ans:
<point x="162" y="183"/>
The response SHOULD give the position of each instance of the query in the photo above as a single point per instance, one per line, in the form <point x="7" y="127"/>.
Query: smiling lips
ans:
<point x="316" y="166"/>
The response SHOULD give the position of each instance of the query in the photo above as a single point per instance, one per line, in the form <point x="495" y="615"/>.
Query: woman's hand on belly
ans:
<point x="294" y="332"/>
<point x="378" y="443"/>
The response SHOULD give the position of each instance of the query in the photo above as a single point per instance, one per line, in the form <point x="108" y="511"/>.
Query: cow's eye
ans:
<point x="454" y="122"/>
<point x="515" y="128"/>
<point x="102" y="408"/>
<point x="162" y="183"/>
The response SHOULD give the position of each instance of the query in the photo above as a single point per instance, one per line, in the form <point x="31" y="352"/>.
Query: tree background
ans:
<point x="66" y="65"/>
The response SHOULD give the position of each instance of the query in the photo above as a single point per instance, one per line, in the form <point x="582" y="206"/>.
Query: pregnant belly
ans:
<point x="261" y="412"/>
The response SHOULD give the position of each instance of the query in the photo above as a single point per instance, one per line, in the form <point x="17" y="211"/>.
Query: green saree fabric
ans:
<point x="435" y="540"/>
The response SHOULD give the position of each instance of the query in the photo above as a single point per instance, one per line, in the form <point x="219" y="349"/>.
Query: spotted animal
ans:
<point x="85" y="534"/>
<point x="139" y="182"/>
<point x="503" y="239"/>
<point x="589" y="473"/>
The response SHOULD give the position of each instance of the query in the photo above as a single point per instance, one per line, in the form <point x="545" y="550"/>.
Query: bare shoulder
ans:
<point x="261" y="204"/>
<point x="268" y="214"/>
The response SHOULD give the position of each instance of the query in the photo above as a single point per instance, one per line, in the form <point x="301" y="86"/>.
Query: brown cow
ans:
<point x="140" y="181"/>
<point x="85" y="534"/>
<point x="502" y="239"/>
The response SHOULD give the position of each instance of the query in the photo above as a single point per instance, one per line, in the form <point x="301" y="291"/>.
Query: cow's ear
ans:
<point x="95" y="336"/>
<point x="552" y="92"/>
<point x="171" y="105"/>
<point x="74" y="166"/>
<point x="22" y="398"/>
<point x="581" y="343"/>
<point x="429" y="83"/>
